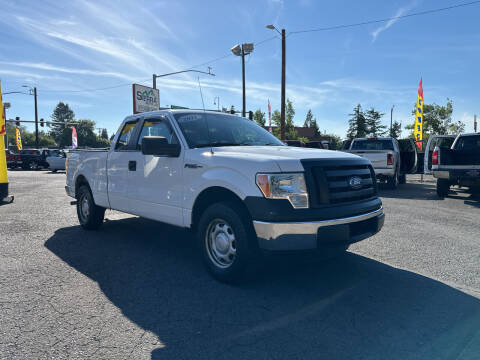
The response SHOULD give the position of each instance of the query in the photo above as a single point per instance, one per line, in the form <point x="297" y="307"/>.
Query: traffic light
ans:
<point x="250" y="115"/>
<point x="17" y="121"/>
<point x="42" y="123"/>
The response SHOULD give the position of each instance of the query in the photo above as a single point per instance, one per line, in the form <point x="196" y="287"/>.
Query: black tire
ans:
<point x="393" y="181"/>
<point x="443" y="187"/>
<point x="54" y="170"/>
<point x="223" y="227"/>
<point x="89" y="215"/>
<point x="32" y="165"/>
<point x="402" y="179"/>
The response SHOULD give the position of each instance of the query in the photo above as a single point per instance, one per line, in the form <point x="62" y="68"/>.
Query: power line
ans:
<point x="426" y="12"/>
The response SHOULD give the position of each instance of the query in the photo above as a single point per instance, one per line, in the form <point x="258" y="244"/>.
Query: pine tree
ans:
<point x="374" y="124"/>
<point x="104" y="134"/>
<point x="308" y="119"/>
<point x="314" y="125"/>
<point x="62" y="114"/>
<point x="396" y="130"/>
<point x="357" y="125"/>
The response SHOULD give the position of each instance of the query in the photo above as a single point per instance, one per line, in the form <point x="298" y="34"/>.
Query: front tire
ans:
<point x="224" y="237"/>
<point x="32" y="165"/>
<point x="443" y="187"/>
<point x="89" y="215"/>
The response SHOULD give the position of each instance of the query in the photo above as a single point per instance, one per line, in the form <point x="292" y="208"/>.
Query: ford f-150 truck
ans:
<point x="391" y="159"/>
<point x="240" y="189"/>
<point x="459" y="165"/>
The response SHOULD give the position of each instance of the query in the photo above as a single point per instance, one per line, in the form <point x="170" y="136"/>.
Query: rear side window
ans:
<point x="372" y="145"/>
<point x="468" y="143"/>
<point x="157" y="127"/>
<point x="125" y="135"/>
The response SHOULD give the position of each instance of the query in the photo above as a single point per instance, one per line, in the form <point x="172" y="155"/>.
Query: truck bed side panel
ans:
<point x="93" y="166"/>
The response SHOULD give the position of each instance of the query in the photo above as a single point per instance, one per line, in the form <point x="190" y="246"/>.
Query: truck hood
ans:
<point x="287" y="157"/>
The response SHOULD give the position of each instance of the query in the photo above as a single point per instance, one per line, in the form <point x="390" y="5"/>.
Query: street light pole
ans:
<point x="282" y="109"/>
<point x="282" y="112"/>
<point x="244" y="102"/>
<point x="391" y="120"/>
<point x="36" y="116"/>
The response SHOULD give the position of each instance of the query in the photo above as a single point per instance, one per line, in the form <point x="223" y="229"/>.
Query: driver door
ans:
<point x="155" y="183"/>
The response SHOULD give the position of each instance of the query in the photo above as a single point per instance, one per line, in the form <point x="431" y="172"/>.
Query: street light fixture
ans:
<point x="282" y="110"/>
<point x="242" y="50"/>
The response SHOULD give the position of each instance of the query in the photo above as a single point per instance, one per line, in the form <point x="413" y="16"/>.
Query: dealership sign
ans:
<point x="145" y="99"/>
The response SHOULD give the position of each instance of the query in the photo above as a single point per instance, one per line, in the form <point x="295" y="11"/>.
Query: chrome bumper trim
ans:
<point x="300" y="235"/>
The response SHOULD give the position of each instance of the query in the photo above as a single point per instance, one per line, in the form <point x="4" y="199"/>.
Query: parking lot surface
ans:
<point x="137" y="289"/>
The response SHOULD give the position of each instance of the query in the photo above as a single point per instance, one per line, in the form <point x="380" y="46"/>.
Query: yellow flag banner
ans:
<point x="19" y="139"/>
<point x="418" y="131"/>
<point x="3" y="157"/>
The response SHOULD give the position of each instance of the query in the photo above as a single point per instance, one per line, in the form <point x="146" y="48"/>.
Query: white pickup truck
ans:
<point x="241" y="190"/>
<point x="391" y="159"/>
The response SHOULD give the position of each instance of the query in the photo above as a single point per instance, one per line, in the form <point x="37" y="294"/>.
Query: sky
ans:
<point x="70" y="49"/>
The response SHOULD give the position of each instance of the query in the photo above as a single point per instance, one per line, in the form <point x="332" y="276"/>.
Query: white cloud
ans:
<point x="401" y="11"/>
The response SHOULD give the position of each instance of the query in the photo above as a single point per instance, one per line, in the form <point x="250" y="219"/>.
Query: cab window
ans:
<point x="157" y="127"/>
<point x="125" y="135"/>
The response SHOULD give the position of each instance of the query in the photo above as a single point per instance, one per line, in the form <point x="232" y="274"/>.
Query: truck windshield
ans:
<point x="207" y="129"/>
<point x="370" y="144"/>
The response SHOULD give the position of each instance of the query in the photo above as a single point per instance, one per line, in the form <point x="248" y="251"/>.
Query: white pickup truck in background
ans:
<point x="391" y="159"/>
<point x="241" y="190"/>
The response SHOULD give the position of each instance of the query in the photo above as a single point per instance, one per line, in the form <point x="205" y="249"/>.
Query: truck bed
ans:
<point x="378" y="158"/>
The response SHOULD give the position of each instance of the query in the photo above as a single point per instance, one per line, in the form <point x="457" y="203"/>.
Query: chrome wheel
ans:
<point x="84" y="207"/>
<point x="33" y="165"/>
<point x="220" y="243"/>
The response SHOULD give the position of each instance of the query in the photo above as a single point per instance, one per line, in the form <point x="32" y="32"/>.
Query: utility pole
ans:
<point x="391" y="121"/>
<point x="36" y="116"/>
<point x="282" y="113"/>
<point x="475" y="123"/>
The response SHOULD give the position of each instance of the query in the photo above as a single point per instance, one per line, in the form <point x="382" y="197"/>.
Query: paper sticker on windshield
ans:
<point x="189" y="118"/>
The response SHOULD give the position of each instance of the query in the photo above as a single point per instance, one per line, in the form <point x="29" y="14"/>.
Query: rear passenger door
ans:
<point x="117" y="166"/>
<point x="155" y="184"/>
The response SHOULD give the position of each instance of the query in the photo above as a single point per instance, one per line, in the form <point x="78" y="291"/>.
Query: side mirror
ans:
<point x="158" y="145"/>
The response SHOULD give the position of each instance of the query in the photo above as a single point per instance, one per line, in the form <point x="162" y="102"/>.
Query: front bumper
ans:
<point x="69" y="191"/>
<point x="281" y="236"/>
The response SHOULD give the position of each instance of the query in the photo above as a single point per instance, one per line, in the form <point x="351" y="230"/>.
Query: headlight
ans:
<point x="284" y="186"/>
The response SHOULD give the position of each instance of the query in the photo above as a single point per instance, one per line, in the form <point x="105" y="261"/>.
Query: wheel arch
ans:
<point x="212" y="195"/>
<point x="79" y="181"/>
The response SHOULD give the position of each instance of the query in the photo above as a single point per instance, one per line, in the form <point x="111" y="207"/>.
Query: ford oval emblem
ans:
<point x="355" y="182"/>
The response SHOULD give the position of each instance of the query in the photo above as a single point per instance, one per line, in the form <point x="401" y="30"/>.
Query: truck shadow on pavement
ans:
<point x="347" y="308"/>
<point x="418" y="191"/>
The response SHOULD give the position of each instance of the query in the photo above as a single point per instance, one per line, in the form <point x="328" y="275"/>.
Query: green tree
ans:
<point x="437" y="120"/>
<point x="374" y="124"/>
<point x="396" y="130"/>
<point x="104" y="134"/>
<point x="28" y="137"/>
<point x="308" y="119"/>
<point x="259" y="117"/>
<point x="357" y="125"/>
<point x="86" y="136"/>
<point x="62" y="113"/>
<point x="335" y="141"/>
<point x="290" y="132"/>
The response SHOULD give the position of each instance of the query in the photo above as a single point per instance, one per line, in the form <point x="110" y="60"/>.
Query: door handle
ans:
<point x="132" y="165"/>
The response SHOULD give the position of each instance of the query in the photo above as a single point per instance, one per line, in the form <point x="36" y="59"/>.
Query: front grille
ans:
<point x="329" y="184"/>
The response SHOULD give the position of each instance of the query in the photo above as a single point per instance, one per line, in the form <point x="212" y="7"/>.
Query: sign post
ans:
<point x="3" y="158"/>
<point x="145" y="98"/>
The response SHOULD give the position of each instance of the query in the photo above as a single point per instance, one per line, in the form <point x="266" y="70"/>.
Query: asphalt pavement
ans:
<point x="136" y="289"/>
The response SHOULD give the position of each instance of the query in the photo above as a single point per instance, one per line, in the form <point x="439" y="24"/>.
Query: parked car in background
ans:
<point x="459" y="165"/>
<point x="56" y="160"/>
<point x="443" y="142"/>
<point x="33" y="159"/>
<point x="392" y="160"/>
<point x="296" y="143"/>
<point x="13" y="160"/>
<point x="236" y="186"/>
<point x="345" y="145"/>
<point x="315" y="145"/>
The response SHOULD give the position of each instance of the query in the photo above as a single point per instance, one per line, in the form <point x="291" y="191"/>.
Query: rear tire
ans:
<point x="393" y="181"/>
<point x="443" y="187"/>
<point x="32" y="165"/>
<point x="89" y="215"/>
<point x="225" y="241"/>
